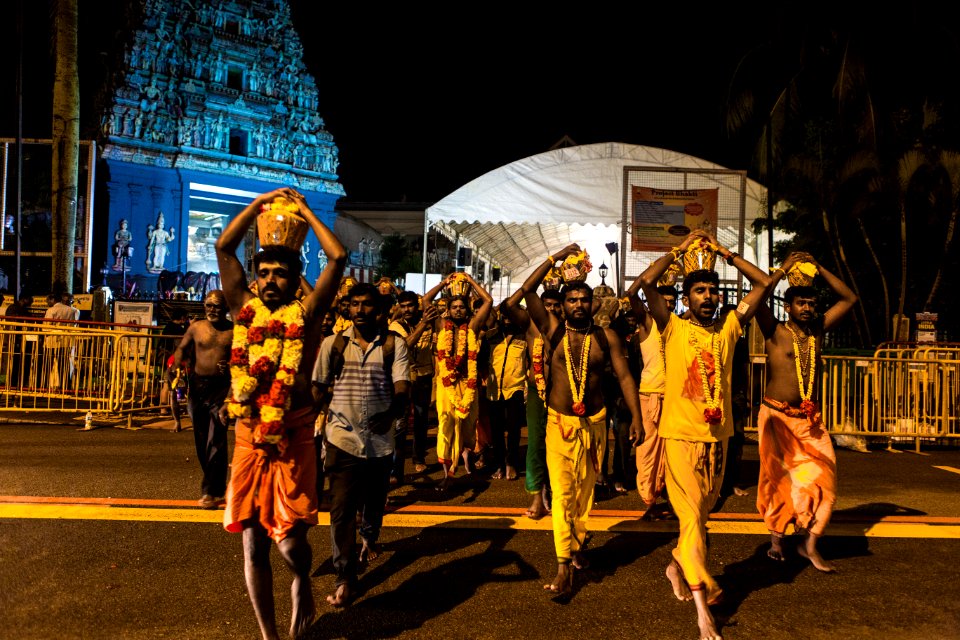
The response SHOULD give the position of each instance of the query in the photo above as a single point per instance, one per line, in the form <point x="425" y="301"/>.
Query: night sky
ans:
<point x="422" y="101"/>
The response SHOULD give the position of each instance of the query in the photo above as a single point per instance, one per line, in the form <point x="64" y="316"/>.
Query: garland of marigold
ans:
<point x="808" y="406"/>
<point x="539" y="381"/>
<point x="450" y="359"/>
<point x="713" y="414"/>
<point x="577" y="387"/>
<point x="264" y="359"/>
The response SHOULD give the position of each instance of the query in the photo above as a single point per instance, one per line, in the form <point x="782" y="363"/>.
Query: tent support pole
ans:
<point x="426" y="232"/>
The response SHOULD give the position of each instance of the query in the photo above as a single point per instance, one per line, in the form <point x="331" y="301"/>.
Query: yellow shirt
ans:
<point x="684" y="401"/>
<point x="510" y="377"/>
<point x="421" y="355"/>
<point x="651" y="377"/>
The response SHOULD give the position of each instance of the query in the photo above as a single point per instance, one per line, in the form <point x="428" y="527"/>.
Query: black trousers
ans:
<point x="421" y="388"/>
<point x="507" y="415"/>
<point x="357" y="485"/>
<point x="207" y="395"/>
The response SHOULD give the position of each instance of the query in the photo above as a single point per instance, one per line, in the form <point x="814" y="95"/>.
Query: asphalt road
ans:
<point x="148" y="564"/>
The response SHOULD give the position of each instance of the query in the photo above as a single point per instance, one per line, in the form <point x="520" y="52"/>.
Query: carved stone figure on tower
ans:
<point x="121" y="240"/>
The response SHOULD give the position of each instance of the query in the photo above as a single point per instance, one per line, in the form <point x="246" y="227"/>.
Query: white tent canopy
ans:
<point x="519" y="213"/>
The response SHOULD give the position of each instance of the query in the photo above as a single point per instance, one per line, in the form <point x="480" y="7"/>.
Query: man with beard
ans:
<point x="368" y="370"/>
<point x="697" y="419"/>
<point x="536" y="479"/>
<point x="456" y="348"/>
<point x="576" y="415"/>
<point x="798" y="467"/>
<point x="205" y="348"/>
<point x="416" y="328"/>
<point x="272" y="493"/>
<point x="651" y="466"/>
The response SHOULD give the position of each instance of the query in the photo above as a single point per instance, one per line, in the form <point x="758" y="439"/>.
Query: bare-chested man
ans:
<point x="537" y="479"/>
<point x="576" y="415"/>
<point x="651" y="464"/>
<point x="798" y="467"/>
<point x="206" y="348"/>
<point x="272" y="493"/>
<point x="697" y="416"/>
<point x="457" y="387"/>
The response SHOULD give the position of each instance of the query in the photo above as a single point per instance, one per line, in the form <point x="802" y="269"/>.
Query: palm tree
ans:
<point x="66" y="140"/>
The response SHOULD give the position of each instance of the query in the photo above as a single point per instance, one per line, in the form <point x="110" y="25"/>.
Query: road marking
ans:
<point x="950" y="469"/>
<point x="500" y="518"/>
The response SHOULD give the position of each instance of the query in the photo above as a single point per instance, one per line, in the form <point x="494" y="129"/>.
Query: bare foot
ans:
<point x="680" y="587"/>
<point x="708" y="626"/>
<point x="580" y="560"/>
<point x="536" y="510"/>
<point x="545" y="496"/>
<point x="341" y="597"/>
<point x="369" y="552"/>
<point x="497" y="475"/>
<point x="446" y="483"/>
<point x="467" y="466"/>
<point x="419" y="467"/>
<point x="511" y="473"/>
<point x="737" y="491"/>
<point x="304" y="609"/>
<point x="775" y="552"/>
<point x="177" y="427"/>
<point x="809" y="551"/>
<point x="563" y="584"/>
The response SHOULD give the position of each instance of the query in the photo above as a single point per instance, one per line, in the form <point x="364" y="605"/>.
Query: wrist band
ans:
<point x="731" y="256"/>
<point x="780" y="269"/>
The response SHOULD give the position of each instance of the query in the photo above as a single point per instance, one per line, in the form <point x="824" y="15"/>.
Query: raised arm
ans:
<point x="842" y="306"/>
<point x="636" y="304"/>
<point x="479" y="321"/>
<point x="765" y="318"/>
<point x="427" y="299"/>
<point x="652" y="274"/>
<point x="759" y="282"/>
<point x="538" y="314"/>
<point x="323" y="293"/>
<point x="233" y="280"/>
<point x="511" y="307"/>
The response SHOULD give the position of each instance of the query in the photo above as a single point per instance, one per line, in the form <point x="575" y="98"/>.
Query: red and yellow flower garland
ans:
<point x="450" y="359"/>
<point x="539" y="380"/>
<point x="578" y="384"/>
<point x="713" y="414"/>
<point x="266" y="354"/>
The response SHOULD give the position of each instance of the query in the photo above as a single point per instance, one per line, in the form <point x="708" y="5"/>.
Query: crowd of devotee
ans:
<point x="332" y="388"/>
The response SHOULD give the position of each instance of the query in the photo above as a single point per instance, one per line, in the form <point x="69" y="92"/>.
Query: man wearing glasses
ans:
<point x="205" y="353"/>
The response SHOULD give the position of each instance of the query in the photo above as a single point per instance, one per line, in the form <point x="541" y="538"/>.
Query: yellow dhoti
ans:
<point x="574" y="451"/>
<point x="454" y="434"/>
<point x="694" y="476"/>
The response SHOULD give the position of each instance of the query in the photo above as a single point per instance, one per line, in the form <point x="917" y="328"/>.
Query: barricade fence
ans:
<point x="51" y="365"/>
<point x="46" y="365"/>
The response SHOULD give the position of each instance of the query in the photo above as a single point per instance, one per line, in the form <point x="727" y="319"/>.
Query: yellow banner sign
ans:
<point x="662" y="218"/>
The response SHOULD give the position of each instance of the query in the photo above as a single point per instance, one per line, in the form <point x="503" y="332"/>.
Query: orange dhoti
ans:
<point x="651" y="463"/>
<point x="798" y="469"/>
<point x="276" y="490"/>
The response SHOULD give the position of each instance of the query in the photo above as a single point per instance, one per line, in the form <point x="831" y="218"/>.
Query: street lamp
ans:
<point x="603" y="270"/>
<point x="612" y="248"/>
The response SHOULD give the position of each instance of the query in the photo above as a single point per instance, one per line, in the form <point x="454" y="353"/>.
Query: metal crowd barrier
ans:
<point x="50" y="365"/>
<point x="898" y="395"/>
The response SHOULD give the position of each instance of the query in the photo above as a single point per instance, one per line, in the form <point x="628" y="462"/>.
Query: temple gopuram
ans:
<point x="213" y="107"/>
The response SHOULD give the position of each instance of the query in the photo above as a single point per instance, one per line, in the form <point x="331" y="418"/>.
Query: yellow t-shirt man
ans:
<point x="684" y="401"/>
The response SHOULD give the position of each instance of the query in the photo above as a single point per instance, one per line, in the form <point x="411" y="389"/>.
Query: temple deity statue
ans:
<point x="157" y="245"/>
<point x="121" y="240"/>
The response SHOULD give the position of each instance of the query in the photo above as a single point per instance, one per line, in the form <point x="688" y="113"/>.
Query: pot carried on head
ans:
<point x="802" y="274"/>
<point x="576" y="267"/>
<point x="700" y="255"/>
<point x="280" y="223"/>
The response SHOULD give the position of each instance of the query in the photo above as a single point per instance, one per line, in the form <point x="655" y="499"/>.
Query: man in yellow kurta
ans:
<point x="456" y="372"/>
<point x="697" y="416"/>
<point x="576" y="417"/>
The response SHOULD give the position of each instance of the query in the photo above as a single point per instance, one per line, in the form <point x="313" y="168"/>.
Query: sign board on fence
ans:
<point x="140" y="313"/>
<point x="662" y="218"/>
<point x="926" y="327"/>
<point x="83" y="301"/>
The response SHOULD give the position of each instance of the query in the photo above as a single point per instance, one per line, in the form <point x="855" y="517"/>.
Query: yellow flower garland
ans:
<point x="713" y="414"/>
<point x="806" y="390"/>
<point x="266" y="354"/>
<point x="577" y="391"/>
<point x="449" y="359"/>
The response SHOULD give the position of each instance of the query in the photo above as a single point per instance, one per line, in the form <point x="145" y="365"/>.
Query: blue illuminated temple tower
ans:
<point x="213" y="107"/>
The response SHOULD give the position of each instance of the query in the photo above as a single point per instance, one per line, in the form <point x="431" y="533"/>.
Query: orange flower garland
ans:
<point x="450" y="359"/>
<point x="539" y="381"/>
<point x="713" y="414"/>
<point x="264" y="359"/>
